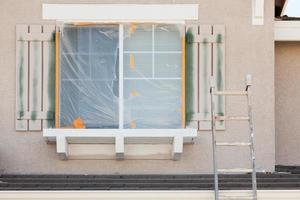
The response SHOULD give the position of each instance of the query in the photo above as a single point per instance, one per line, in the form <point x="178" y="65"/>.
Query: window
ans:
<point x="122" y="76"/>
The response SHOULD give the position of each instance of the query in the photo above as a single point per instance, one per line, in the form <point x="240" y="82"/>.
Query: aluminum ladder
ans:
<point x="250" y="144"/>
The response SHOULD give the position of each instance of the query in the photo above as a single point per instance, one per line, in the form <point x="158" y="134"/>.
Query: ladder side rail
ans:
<point x="251" y="131"/>
<point x="213" y="130"/>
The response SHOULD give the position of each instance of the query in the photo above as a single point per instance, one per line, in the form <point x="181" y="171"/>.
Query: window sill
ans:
<point x="117" y="142"/>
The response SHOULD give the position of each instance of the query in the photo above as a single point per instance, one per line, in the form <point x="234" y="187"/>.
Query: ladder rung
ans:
<point x="233" y="143"/>
<point x="233" y="93"/>
<point x="225" y="197"/>
<point x="238" y="170"/>
<point x="222" y="118"/>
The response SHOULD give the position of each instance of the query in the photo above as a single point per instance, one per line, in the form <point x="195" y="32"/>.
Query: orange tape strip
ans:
<point x="183" y="83"/>
<point x="83" y="23"/>
<point x="131" y="62"/>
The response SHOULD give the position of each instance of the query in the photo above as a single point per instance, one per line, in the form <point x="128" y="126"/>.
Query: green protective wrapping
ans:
<point x="189" y="84"/>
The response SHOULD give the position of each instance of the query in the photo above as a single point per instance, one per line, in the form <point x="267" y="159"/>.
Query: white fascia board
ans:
<point x="120" y="12"/>
<point x="287" y="31"/>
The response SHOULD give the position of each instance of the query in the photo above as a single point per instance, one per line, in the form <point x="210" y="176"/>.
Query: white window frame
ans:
<point x="258" y="12"/>
<point x="166" y="13"/>
<point x="121" y="73"/>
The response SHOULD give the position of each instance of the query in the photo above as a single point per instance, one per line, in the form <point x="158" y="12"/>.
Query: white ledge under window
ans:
<point x="287" y="31"/>
<point x="120" y="138"/>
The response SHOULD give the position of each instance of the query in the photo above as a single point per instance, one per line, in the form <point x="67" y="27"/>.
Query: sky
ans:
<point x="292" y="8"/>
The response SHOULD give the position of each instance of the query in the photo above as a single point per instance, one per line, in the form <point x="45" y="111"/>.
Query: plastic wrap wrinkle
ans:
<point x="152" y="90"/>
<point x="89" y="79"/>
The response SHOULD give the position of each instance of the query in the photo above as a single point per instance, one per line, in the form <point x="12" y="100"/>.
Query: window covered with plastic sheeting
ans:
<point x="143" y="90"/>
<point x="89" y="76"/>
<point x="152" y="76"/>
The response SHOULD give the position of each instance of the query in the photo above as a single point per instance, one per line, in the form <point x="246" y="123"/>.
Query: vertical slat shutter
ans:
<point x="48" y="76"/>
<point x="192" y="71"/>
<point x="34" y="77"/>
<point x="219" y="70"/>
<point x="205" y="58"/>
<point x="21" y="77"/>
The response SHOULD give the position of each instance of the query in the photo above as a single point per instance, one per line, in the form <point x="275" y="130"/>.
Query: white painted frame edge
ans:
<point x="61" y="137"/>
<point x="120" y="12"/>
<point x="258" y="7"/>
<point x="287" y="31"/>
<point x="117" y="132"/>
<point x="121" y="76"/>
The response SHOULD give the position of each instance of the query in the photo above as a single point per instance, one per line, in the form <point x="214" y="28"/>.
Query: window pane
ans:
<point x="138" y="37"/>
<point x="168" y="65"/>
<point x="75" y="66"/>
<point x="153" y="76"/>
<point x="167" y="38"/>
<point x="137" y="65"/>
<point x="152" y="103"/>
<point x="89" y="76"/>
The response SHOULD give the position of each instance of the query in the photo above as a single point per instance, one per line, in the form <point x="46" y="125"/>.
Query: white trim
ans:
<point x="119" y="137"/>
<point x="121" y="12"/>
<point x="160" y="52"/>
<point x="121" y="76"/>
<point x="287" y="31"/>
<point x="154" y="78"/>
<point x="177" y="147"/>
<point x="258" y="12"/>
<point x="115" y="132"/>
<point x="119" y="147"/>
<point x="62" y="147"/>
<point x="109" y="21"/>
<point x="148" y="195"/>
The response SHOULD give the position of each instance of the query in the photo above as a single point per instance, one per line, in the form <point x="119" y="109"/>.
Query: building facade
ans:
<point x="249" y="49"/>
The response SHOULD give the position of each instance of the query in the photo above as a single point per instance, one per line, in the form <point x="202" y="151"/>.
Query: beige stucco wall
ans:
<point x="287" y="83"/>
<point x="249" y="49"/>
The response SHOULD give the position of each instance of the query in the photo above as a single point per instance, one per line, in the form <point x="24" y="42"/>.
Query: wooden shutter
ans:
<point x="205" y="51"/>
<point x="34" y="77"/>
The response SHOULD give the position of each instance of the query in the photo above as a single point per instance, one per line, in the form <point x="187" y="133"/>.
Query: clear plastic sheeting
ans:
<point x="152" y="76"/>
<point x="89" y="76"/>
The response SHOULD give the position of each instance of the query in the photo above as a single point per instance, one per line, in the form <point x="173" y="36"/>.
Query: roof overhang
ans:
<point x="287" y="31"/>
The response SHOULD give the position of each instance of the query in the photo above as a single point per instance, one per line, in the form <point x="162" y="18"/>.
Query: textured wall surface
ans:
<point x="249" y="49"/>
<point x="287" y="98"/>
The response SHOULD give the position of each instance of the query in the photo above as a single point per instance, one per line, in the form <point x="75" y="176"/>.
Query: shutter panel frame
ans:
<point x="210" y="54"/>
<point x="33" y="65"/>
<point x="21" y="77"/>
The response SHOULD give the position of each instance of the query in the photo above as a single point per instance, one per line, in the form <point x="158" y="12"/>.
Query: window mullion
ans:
<point x="121" y="77"/>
